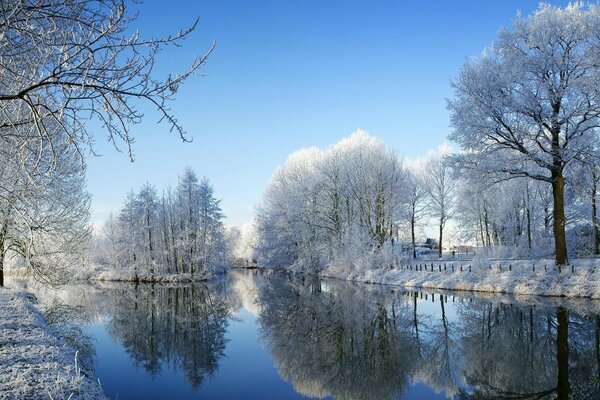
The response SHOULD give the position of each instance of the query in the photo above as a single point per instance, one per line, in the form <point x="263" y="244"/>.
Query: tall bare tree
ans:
<point x="440" y="186"/>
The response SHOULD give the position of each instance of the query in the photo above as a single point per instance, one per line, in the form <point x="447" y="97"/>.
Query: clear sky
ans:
<point x="287" y="74"/>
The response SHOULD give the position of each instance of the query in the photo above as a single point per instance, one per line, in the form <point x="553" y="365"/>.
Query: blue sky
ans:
<point x="291" y="74"/>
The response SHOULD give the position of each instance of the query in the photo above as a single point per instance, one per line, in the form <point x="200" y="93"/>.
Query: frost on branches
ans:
<point x="332" y="207"/>
<point x="530" y="105"/>
<point x="68" y="66"/>
<point x="179" y="232"/>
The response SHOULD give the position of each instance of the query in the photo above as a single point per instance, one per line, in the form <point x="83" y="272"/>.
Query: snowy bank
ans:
<point x="105" y="273"/>
<point x="523" y="277"/>
<point x="35" y="362"/>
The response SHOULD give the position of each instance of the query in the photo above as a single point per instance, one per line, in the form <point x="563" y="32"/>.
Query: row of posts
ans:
<point x="421" y="267"/>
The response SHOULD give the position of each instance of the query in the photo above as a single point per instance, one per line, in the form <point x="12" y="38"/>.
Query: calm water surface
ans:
<point x="257" y="336"/>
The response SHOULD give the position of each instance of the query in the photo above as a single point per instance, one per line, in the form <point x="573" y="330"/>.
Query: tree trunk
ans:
<point x="488" y="240"/>
<point x="560" y="240"/>
<point x="2" y="251"/>
<point x="562" y="354"/>
<point x="441" y="235"/>
<point x="528" y="227"/>
<point x="2" y="267"/>
<point x="594" y="216"/>
<point x="412" y="233"/>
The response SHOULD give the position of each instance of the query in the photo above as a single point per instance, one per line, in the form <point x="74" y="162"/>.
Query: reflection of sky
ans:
<point x="428" y="306"/>
<point x="245" y="372"/>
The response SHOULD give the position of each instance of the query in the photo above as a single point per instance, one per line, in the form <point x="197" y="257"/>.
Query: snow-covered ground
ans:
<point x="105" y="273"/>
<point x="531" y="277"/>
<point x="35" y="362"/>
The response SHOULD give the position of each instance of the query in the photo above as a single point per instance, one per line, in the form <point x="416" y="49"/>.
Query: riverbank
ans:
<point x="35" y="362"/>
<point x="522" y="277"/>
<point x="103" y="273"/>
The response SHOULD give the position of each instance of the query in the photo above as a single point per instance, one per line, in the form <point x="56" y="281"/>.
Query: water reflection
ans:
<point x="337" y="342"/>
<point x="354" y="341"/>
<point x="179" y="327"/>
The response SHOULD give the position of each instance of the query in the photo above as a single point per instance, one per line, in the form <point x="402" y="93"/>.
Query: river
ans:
<point x="273" y="336"/>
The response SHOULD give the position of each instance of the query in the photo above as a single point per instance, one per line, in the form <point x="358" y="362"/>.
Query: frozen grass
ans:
<point x="35" y="362"/>
<point x="523" y="277"/>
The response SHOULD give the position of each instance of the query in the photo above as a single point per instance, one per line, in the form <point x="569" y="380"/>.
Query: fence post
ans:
<point x="452" y="267"/>
<point x="440" y="267"/>
<point x="510" y="267"/>
<point x="572" y="269"/>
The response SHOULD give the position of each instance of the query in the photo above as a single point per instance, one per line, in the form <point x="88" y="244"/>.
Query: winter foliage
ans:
<point x="530" y="105"/>
<point x="44" y="206"/>
<point x="179" y="232"/>
<point x="338" y="205"/>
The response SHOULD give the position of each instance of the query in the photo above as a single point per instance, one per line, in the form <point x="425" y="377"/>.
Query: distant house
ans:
<point x="431" y="243"/>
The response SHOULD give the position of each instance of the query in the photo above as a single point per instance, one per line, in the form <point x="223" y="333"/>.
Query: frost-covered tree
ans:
<point x="532" y="100"/>
<point x="440" y="185"/>
<point x="180" y="232"/>
<point x="333" y="206"/>
<point x="66" y="62"/>
<point x="416" y="206"/>
<point x="68" y="67"/>
<point x="44" y="206"/>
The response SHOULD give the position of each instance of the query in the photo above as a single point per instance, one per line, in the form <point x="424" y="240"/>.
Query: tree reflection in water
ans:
<point x="353" y="341"/>
<point x="337" y="342"/>
<point x="182" y="327"/>
<point x="357" y="341"/>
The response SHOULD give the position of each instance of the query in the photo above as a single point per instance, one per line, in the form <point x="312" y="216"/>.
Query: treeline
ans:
<point x="356" y="206"/>
<point x="179" y="231"/>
